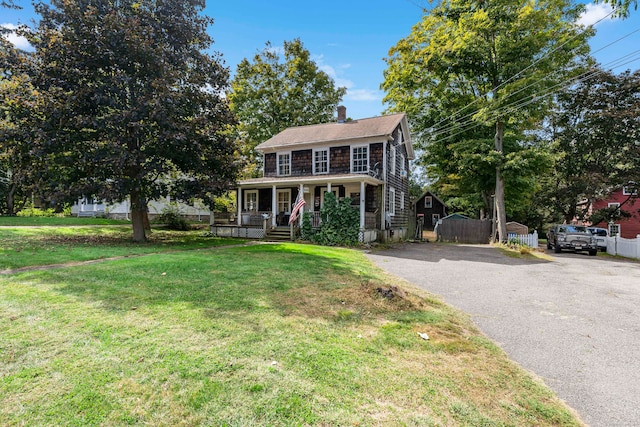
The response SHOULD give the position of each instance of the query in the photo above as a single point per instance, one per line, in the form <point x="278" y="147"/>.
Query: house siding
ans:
<point x="270" y="164"/>
<point x="437" y="207"/>
<point x="301" y="162"/>
<point x="629" y="227"/>
<point x="340" y="159"/>
<point x="376" y="154"/>
<point x="399" y="183"/>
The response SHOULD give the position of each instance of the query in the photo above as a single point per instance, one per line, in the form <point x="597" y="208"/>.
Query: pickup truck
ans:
<point x="572" y="237"/>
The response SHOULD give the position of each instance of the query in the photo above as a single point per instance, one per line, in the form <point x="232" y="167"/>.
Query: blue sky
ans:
<point x="349" y="39"/>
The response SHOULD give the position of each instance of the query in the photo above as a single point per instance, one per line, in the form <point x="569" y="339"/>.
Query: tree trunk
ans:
<point x="501" y="215"/>
<point x="145" y="217"/>
<point x="10" y="200"/>
<point x="138" y="212"/>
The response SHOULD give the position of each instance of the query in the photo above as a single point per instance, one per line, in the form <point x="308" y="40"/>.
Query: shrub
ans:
<point x="31" y="211"/>
<point x="340" y="223"/>
<point x="173" y="219"/>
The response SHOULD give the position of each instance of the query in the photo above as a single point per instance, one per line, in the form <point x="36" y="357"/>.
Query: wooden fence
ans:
<point x="464" y="230"/>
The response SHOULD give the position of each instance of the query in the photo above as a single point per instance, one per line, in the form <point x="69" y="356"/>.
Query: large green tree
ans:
<point x="474" y="77"/>
<point x="274" y="92"/>
<point x="18" y="101"/>
<point x="595" y="132"/>
<point x="134" y="105"/>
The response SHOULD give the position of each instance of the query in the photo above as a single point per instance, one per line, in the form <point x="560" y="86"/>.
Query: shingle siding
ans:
<point x="339" y="159"/>
<point x="270" y="164"/>
<point x="301" y="162"/>
<point x="399" y="183"/>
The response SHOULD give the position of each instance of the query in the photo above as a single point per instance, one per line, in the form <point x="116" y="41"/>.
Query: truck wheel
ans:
<point x="556" y="248"/>
<point x="548" y="244"/>
<point x="593" y="252"/>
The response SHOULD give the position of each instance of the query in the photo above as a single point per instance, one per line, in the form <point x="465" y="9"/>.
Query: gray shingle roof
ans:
<point x="331" y="132"/>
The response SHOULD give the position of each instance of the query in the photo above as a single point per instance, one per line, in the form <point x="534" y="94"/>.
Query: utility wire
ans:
<point x="629" y="58"/>
<point x="611" y="65"/>
<point x="452" y="117"/>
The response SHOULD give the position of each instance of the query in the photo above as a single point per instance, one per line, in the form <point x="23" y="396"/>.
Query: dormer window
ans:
<point x="360" y="159"/>
<point x="284" y="164"/>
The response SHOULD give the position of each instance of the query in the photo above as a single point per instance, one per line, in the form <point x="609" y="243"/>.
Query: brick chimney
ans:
<point x="342" y="114"/>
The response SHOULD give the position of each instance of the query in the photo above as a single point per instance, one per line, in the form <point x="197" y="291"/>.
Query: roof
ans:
<point x="311" y="179"/>
<point x="455" y="216"/>
<point x="362" y="129"/>
<point x="426" y="193"/>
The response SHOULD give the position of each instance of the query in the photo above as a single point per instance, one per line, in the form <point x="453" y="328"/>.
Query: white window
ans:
<point x="360" y="159"/>
<point x="392" y="201"/>
<point x="402" y="200"/>
<point x="428" y="202"/>
<point x="434" y="219"/>
<point x="626" y="191"/>
<point x="614" y="229"/>
<point x="251" y="200"/>
<point x="284" y="164"/>
<point x="284" y="201"/>
<point x="403" y="166"/>
<point x="321" y="161"/>
<point x="392" y="161"/>
<point x="400" y="140"/>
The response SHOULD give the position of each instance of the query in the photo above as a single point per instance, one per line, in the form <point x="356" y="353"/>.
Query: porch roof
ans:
<point x="295" y="181"/>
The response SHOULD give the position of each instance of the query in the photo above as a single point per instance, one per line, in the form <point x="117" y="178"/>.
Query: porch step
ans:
<point x="278" y="234"/>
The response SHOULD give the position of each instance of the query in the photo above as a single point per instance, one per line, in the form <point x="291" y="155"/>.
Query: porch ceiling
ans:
<point x="294" y="181"/>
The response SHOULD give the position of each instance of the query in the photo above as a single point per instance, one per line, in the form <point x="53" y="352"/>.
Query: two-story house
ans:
<point x="366" y="160"/>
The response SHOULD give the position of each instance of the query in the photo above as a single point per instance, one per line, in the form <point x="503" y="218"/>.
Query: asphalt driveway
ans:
<point x="573" y="321"/>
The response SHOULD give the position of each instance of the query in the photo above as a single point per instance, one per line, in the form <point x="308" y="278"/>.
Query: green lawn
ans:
<point x="15" y="221"/>
<point x="274" y="335"/>
<point x="28" y="246"/>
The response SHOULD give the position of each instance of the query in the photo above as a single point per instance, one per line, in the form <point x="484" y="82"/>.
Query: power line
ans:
<point x="452" y="117"/>
<point x="622" y="61"/>
<point x="611" y="65"/>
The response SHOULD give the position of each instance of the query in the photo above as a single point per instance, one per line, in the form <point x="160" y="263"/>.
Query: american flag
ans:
<point x="299" y="203"/>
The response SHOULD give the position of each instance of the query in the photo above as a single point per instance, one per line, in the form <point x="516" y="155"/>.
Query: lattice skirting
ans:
<point x="242" y="232"/>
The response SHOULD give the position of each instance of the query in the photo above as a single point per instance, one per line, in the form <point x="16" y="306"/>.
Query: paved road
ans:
<point x="574" y="321"/>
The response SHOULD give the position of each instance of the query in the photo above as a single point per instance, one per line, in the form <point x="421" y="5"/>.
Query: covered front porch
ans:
<point x="266" y="203"/>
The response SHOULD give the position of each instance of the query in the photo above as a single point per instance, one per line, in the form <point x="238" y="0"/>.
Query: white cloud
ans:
<point x="594" y="13"/>
<point x="16" y="40"/>
<point x="363" y="95"/>
<point x="337" y="74"/>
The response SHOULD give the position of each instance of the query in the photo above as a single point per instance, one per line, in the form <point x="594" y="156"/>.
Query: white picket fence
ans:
<point x="530" y="240"/>
<point x="628" y="248"/>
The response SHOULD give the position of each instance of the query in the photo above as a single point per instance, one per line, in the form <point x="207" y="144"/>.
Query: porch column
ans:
<point x="274" y="205"/>
<point x="328" y="187"/>
<point x="239" y="201"/>
<point x="362" y="197"/>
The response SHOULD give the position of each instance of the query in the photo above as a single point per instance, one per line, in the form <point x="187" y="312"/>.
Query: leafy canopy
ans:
<point x="134" y="104"/>
<point x="278" y="90"/>
<point x="475" y="77"/>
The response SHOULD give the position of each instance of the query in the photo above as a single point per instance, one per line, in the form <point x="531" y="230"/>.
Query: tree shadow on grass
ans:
<point x="292" y="279"/>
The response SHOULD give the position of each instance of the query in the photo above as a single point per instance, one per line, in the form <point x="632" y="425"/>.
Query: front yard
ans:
<point x="266" y="334"/>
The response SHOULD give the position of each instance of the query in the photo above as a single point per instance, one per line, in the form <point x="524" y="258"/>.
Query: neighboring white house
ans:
<point x="89" y="207"/>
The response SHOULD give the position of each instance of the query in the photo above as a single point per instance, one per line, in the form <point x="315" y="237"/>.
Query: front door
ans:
<point x="284" y="206"/>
